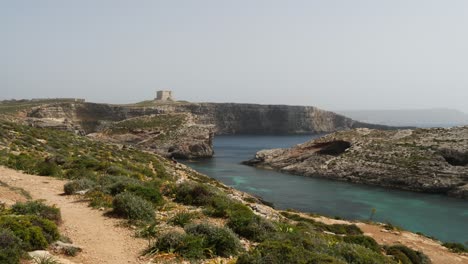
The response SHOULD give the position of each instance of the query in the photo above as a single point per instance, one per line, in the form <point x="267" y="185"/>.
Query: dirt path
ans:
<point x="436" y="252"/>
<point x="102" y="239"/>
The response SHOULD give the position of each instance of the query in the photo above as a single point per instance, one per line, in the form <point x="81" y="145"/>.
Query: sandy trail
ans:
<point x="102" y="239"/>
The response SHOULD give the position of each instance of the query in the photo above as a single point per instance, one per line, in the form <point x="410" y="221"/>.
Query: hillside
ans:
<point x="184" y="215"/>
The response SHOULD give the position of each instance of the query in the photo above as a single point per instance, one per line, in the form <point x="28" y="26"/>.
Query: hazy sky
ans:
<point x="345" y="54"/>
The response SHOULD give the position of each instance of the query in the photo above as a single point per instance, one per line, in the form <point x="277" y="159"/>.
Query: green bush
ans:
<point x="295" y="249"/>
<point x="22" y="162"/>
<point x="455" y="247"/>
<point x="169" y="242"/>
<point x="133" y="207"/>
<point x="148" y="193"/>
<point x="245" y="223"/>
<point x="78" y="185"/>
<point x="221" y="241"/>
<point x="405" y="255"/>
<point x="10" y="247"/>
<point x="219" y="206"/>
<point x="48" y="168"/>
<point x="99" y="199"/>
<point x="80" y="173"/>
<point x="199" y="241"/>
<point x="37" y="208"/>
<point x="364" y="241"/>
<point x="183" y="218"/>
<point x="35" y="233"/>
<point x="193" y="194"/>
<point x="352" y="253"/>
<point x="114" y="185"/>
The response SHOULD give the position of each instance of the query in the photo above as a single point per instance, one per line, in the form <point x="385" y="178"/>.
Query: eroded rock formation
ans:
<point x="426" y="160"/>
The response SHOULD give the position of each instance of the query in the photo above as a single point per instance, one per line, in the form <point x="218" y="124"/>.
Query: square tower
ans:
<point x="164" y="96"/>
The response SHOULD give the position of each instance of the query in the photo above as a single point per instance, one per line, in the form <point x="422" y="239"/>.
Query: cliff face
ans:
<point x="227" y="118"/>
<point x="426" y="160"/>
<point x="195" y="139"/>
<point x="230" y="118"/>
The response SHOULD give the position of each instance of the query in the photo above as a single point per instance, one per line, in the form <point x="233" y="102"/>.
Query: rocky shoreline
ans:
<point x="423" y="160"/>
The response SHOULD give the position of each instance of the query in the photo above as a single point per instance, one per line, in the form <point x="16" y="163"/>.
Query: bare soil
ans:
<point x="104" y="239"/>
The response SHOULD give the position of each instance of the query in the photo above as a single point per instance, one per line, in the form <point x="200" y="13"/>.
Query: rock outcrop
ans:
<point x="425" y="160"/>
<point x="170" y="135"/>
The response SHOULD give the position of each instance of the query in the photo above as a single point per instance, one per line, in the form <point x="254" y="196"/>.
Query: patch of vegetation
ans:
<point x="183" y="218"/>
<point x="245" y="223"/>
<point x="364" y="241"/>
<point x="200" y="241"/>
<point x="194" y="194"/>
<point x="78" y="185"/>
<point x="220" y="241"/>
<point x="166" y="123"/>
<point x="455" y="247"/>
<point x="405" y="255"/>
<point x="302" y="246"/>
<point x="37" y="208"/>
<point x="133" y="207"/>
<point x="98" y="199"/>
<point x="10" y="247"/>
<point x="34" y="232"/>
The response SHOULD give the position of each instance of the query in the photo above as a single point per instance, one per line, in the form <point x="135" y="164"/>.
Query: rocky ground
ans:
<point x="426" y="160"/>
<point x="170" y="135"/>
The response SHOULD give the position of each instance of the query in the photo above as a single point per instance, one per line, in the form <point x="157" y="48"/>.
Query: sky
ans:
<point x="334" y="54"/>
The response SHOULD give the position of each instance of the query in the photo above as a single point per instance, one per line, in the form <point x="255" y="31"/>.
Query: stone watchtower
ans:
<point x="164" y="96"/>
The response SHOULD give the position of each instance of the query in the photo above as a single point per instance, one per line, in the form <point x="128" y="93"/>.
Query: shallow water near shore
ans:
<point x="442" y="217"/>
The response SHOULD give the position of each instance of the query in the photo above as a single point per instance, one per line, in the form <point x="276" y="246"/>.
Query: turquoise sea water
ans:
<point x="435" y="215"/>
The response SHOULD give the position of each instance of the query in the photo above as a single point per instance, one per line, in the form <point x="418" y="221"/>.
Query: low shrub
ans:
<point x="352" y="253"/>
<point x="288" y="248"/>
<point x="364" y="241"/>
<point x="149" y="193"/>
<point x="133" y="207"/>
<point x="78" y="185"/>
<point x="80" y="173"/>
<point x="406" y="255"/>
<point x="455" y="247"/>
<point x="48" y="168"/>
<point x="193" y="194"/>
<point x="35" y="233"/>
<point x="199" y="242"/>
<point x="221" y="241"/>
<point x="37" y="208"/>
<point x="99" y="199"/>
<point x="10" y="247"/>
<point x="183" y="218"/>
<point x="168" y="242"/>
<point x="114" y="185"/>
<point x="219" y="206"/>
<point x="245" y="223"/>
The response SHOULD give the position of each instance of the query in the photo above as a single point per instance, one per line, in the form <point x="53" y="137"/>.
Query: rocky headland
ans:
<point x="148" y="124"/>
<point x="425" y="160"/>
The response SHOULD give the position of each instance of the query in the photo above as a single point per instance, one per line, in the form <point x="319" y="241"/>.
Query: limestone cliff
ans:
<point x="204" y="119"/>
<point x="426" y="160"/>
